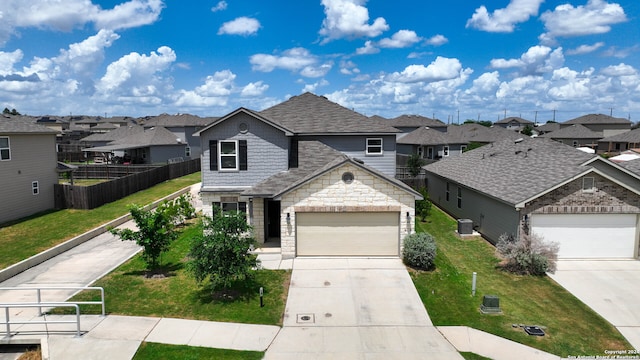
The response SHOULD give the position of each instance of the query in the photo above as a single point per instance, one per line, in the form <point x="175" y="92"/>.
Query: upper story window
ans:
<point x="575" y="143"/>
<point x="5" y="149"/>
<point x="459" y="197"/>
<point x="35" y="188"/>
<point x="445" y="151"/>
<point x="187" y="151"/>
<point x="463" y="148"/>
<point x="588" y="184"/>
<point x="374" y="146"/>
<point x="228" y="155"/>
<point x="447" y="192"/>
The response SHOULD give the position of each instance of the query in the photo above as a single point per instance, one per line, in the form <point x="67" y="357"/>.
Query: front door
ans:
<point x="272" y="216"/>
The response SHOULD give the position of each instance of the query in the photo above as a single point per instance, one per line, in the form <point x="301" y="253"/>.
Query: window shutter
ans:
<point x="213" y="155"/>
<point x="293" y="153"/>
<point x="242" y="207"/>
<point x="242" y="144"/>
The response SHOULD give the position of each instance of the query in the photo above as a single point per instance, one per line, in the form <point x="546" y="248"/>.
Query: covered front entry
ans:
<point x="348" y="234"/>
<point x="589" y="235"/>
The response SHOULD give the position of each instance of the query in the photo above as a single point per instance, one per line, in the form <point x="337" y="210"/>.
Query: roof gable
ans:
<point x="251" y="113"/>
<point x="592" y="119"/>
<point x="575" y="131"/>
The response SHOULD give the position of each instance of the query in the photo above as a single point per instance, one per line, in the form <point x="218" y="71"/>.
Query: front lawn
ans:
<point x="26" y="237"/>
<point x="155" y="351"/>
<point x="571" y="327"/>
<point x="177" y="295"/>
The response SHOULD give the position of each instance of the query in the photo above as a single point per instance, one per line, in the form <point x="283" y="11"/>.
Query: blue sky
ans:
<point x="454" y="60"/>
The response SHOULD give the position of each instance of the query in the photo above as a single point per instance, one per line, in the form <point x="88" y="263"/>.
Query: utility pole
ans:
<point x="505" y="113"/>
<point x="554" y="115"/>
<point x="458" y="116"/>
<point x="611" y="112"/>
<point x="535" y="117"/>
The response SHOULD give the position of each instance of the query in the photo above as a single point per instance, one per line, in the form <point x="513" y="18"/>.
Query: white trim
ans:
<point x="368" y="146"/>
<point x="236" y="155"/>
<point x="6" y="148"/>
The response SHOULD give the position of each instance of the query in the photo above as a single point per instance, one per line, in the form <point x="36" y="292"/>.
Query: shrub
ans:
<point x="419" y="251"/>
<point x="528" y="255"/>
<point x="423" y="207"/>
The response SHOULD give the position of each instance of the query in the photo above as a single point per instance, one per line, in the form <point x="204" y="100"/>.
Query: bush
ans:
<point x="419" y="251"/>
<point x="423" y="207"/>
<point x="529" y="255"/>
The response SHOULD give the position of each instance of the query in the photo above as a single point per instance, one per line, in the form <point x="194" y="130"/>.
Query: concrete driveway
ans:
<point x="356" y="308"/>
<point x="610" y="288"/>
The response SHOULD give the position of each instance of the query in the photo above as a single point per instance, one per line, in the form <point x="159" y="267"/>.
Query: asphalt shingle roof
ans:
<point x="575" y="131"/>
<point x="519" y="120"/>
<point x="16" y="125"/>
<point x="415" y="120"/>
<point x="458" y="134"/>
<point x="118" y="133"/>
<point x="513" y="172"/>
<point x="167" y="120"/>
<point x="632" y="136"/>
<point x="592" y="119"/>
<point x="156" y="136"/>
<point x="312" y="114"/>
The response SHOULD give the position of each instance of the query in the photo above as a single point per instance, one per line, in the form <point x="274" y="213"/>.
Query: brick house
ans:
<point x="589" y="205"/>
<point x="312" y="176"/>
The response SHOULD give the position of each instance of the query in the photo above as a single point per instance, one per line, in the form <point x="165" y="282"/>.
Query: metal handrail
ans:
<point x="39" y="294"/>
<point x="8" y="321"/>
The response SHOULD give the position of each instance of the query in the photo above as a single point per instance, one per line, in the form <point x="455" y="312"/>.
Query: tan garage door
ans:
<point x="347" y="234"/>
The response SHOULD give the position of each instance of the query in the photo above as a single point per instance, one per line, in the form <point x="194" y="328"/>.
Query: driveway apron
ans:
<point x="356" y="308"/>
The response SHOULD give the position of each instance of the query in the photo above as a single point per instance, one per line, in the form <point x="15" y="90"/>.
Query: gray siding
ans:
<point x="355" y="146"/>
<point x="490" y="217"/>
<point x="267" y="148"/>
<point x="161" y="154"/>
<point x="33" y="158"/>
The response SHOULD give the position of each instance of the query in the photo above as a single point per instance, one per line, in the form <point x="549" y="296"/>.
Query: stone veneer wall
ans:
<point x="607" y="198"/>
<point x="329" y="193"/>
<point x="256" y="220"/>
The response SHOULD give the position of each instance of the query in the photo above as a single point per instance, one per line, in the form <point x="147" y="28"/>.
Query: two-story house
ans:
<point x="314" y="175"/>
<point x="28" y="167"/>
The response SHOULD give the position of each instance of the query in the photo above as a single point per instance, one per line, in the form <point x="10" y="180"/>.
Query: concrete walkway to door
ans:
<point x="356" y="308"/>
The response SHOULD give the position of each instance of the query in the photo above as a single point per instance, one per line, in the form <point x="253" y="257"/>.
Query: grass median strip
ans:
<point x="177" y="295"/>
<point x="24" y="238"/>
<point x="571" y="327"/>
<point x="155" y="351"/>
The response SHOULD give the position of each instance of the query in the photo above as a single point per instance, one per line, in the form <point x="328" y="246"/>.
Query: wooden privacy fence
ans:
<point x="109" y="171"/>
<point x="89" y="197"/>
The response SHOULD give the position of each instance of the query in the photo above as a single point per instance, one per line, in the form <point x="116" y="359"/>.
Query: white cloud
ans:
<point x="440" y="69"/>
<point x="293" y="59"/>
<point x="369" y="48"/>
<point x="220" y="6"/>
<point x="504" y="20"/>
<point x="8" y="60"/>
<point x="70" y="14"/>
<point x="316" y="71"/>
<point x="401" y="39"/>
<point x="138" y="78"/>
<point x="241" y="26"/>
<point x="537" y="59"/>
<point x="254" y="89"/>
<point x="314" y="87"/>
<point x="621" y="69"/>
<point x="349" y="19"/>
<point x="437" y="40"/>
<point x="621" y="53"/>
<point x="348" y="67"/>
<point x="221" y="83"/>
<point x="585" y="49"/>
<point x="596" y="17"/>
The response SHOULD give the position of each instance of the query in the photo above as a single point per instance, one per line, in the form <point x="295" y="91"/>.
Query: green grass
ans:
<point x="472" y="356"/>
<point x="26" y="237"/>
<point x="155" y="351"/>
<point x="129" y="292"/>
<point x="572" y="328"/>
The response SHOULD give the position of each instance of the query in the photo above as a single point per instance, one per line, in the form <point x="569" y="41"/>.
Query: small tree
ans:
<point x="415" y="163"/>
<point x="419" y="251"/>
<point x="423" y="207"/>
<point x="155" y="233"/>
<point x="528" y="255"/>
<point x="221" y="254"/>
<point x="528" y="130"/>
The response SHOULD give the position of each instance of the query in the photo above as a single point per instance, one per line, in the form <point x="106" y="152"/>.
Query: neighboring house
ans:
<point x="620" y="142"/>
<point x="547" y="128"/>
<point x="183" y="126"/>
<point x="453" y="140"/>
<point x="28" y="167"/>
<point x="409" y="123"/>
<point x="587" y="204"/>
<point x="311" y="174"/>
<point x="151" y="146"/>
<point x="604" y="124"/>
<point x="575" y="135"/>
<point x="514" y="123"/>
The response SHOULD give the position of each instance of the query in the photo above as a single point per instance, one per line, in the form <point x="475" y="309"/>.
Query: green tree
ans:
<point x="415" y="163"/>
<point x="423" y="207"/>
<point x="155" y="233"/>
<point x="6" y="111"/>
<point x="222" y="253"/>
<point x="528" y="130"/>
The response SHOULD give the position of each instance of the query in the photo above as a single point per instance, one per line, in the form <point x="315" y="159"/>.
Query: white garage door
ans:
<point x="588" y="235"/>
<point x="347" y="234"/>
